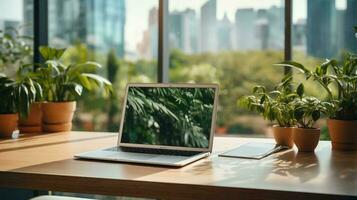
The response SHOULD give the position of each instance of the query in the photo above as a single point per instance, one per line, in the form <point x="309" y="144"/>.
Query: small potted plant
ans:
<point x="32" y="123"/>
<point x="275" y="106"/>
<point x="16" y="98"/>
<point x="307" y="110"/>
<point x="61" y="86"/>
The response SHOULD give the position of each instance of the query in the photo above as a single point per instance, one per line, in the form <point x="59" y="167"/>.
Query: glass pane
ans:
<point x="119" y="34"/>
<point x="322" y="29"/>
<point x="233" y="43"/>
<point x="16" y="20"/>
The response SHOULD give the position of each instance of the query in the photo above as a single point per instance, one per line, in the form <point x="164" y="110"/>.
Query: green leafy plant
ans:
<point x="307" y="109"/>
<point x="14" y="48"/>
<point x="274" y="105"/>
<point x="339" y="79"/>
<point x="63" y="83"/>
<point x="17" y="96"/>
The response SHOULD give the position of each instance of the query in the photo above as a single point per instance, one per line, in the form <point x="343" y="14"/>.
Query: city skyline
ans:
<point x="134" y="34"/>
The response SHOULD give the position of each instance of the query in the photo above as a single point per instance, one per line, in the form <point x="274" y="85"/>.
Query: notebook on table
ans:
<point x="253" y="150"/>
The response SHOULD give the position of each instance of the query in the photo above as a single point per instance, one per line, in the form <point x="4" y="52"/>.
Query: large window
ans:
<point x="233" y="43"/>
<point x="118" y="34"/>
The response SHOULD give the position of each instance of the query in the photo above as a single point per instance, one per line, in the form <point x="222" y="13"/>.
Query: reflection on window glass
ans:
<point x="118" y="34"/>
<point x="233" y="43"/>
<point x="322" y="29"/>
<point x="16" y="36"/>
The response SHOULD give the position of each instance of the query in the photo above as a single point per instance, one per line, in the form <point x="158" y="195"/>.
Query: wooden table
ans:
<point x="45" y="162"/>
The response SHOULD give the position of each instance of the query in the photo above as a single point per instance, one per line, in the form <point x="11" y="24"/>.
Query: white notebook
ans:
<point x="253" y="150"/>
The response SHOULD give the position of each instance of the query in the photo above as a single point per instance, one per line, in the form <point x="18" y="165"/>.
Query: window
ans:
<point x="113" y="33"/>
<point x="16" y="20"/>
<point x="233" y="43"/>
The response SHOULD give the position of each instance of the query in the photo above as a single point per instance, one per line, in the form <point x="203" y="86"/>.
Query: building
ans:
<point x="183" y="26"/>
<point x="245" y="28"/>
<point x="350" y="22"/>
<point x="299" y="35"/>
<point x="28" y="17"/>
<point x="148" y="47"/>
<point x="321" y="28"/>
<point x="208" y="32"/>
<point x="275" y="20"/>
<point x="225" y="34"/>
<point x="99" y="24"/>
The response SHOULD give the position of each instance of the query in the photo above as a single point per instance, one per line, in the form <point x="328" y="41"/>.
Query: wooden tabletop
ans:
<point x="45" y="162"/>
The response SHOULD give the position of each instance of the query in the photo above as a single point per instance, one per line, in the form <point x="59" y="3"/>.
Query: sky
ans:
<point x="138" y="11"/>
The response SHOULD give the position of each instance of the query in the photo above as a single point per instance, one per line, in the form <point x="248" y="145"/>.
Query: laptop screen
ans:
<point x="169" y="116"/>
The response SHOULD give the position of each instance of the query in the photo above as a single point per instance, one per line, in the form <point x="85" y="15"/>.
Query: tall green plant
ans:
<point x="17" y="96"/>
<point x="63" y="83"/>
<point x="339" y="79"/>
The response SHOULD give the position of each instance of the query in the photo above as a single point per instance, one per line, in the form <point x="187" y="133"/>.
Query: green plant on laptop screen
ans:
<point x="169" y="116"/>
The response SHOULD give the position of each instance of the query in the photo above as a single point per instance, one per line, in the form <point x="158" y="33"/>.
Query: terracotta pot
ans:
<point x="33" y="122"/>
<point x="306" y="139"/>
<point x="283" y="136"/>
<point x="57" y="116"/>
<point x="8" y="124"/>
<point x="62" y="127"/>
<point x="343" y="134"/>
<point x="221" y="130"/>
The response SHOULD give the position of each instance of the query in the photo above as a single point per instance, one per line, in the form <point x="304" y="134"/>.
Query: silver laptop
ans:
<point x="164" y="124"/>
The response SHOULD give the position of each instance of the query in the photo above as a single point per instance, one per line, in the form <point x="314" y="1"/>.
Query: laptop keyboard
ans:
<point x="154" y="151"/>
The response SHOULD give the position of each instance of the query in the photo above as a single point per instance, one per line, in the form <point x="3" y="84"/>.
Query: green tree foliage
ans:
<point x="164" y="116"/>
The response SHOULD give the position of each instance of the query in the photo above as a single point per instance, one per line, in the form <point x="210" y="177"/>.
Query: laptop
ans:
<point x="164" y="124"/>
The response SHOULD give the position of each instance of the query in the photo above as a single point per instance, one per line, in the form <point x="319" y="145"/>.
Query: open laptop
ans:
<point x="164" y="124"/>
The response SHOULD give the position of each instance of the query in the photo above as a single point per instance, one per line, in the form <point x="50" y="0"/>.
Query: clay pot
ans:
<point x="306" y="139"/>
<point x="283" y="135"/>
<point x="34" y="120"/>
<point x="343" y="134"/>
<point x="57" y="116"/>
<point x="8" y="124"/>
<point x="57" y="127"/>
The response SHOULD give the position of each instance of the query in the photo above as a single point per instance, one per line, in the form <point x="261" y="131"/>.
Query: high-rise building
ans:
<point x="28" y="17"/>
<point x="321" y="28"/>
<point x="350" y="22"/>
<point x="208" y="32"/>
<point x="99" y="24"/>
<point x="299" y="35"/>
<point x="148" y="47"/>
<point x="225" y="29"/>
<point x="275" y="17"/>
<point x="183" y="26"/>
<point x="245" y="29"/>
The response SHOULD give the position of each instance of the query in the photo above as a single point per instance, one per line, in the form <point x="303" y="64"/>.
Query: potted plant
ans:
<point x="16" y="98"/>
<point x="61" y="86"/>
<point x="275" y="107"/>
<point x="340" y="82"/>
<point x="32" y="123"/>
<point x="307" y="110"/>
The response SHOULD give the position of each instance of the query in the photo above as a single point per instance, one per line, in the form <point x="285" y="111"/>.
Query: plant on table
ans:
<point x="307" y="110"/>
<point x="16" y="98"/>
<point x="62" y="85"/>
<point x="339" y="80"/>
<point x="274" y="106"/>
